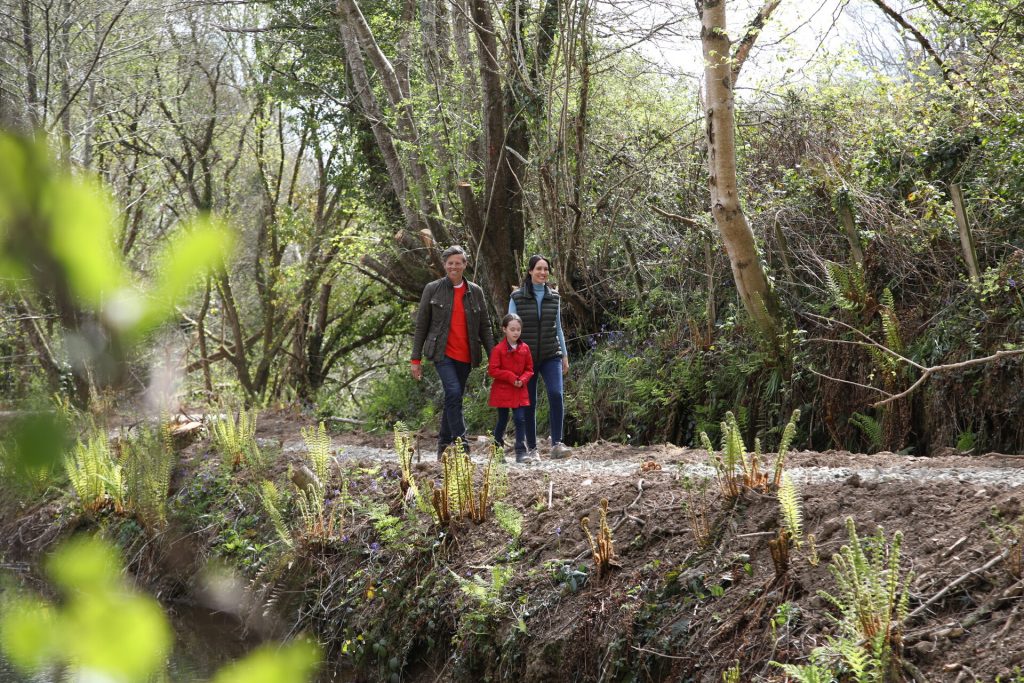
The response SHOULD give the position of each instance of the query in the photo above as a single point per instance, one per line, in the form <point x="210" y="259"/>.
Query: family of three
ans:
<point x="452" y="328"/>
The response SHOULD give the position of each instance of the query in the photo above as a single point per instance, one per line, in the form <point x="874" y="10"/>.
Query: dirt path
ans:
<point x="961" y="518"/>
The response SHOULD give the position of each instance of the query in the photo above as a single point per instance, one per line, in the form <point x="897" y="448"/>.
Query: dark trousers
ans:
<point x="519" y="417"/>
<point x="551" y="371"/>
<point x="453" y="376"/>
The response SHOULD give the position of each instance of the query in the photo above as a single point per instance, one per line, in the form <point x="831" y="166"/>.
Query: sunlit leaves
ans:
<point x="103" y="630"/>
<point x="294" y="662"/>
<point x="102" y="626"/>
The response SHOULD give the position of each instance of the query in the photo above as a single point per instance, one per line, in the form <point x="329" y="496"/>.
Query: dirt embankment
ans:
<point x="677" y="606"/>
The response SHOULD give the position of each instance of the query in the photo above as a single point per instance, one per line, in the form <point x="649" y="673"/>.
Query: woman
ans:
<point x="539" y="307"/>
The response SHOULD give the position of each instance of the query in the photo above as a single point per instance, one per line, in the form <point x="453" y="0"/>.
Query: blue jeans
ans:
<point x="453" y="376"/>
<point x="551" y="371"/>
<point x="519" y="416"/>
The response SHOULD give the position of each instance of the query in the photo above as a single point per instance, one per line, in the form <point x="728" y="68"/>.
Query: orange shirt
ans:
<point x="458" y="332"/>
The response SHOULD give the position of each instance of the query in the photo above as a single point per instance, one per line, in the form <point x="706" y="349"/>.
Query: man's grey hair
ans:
<point x="452" y="251"/>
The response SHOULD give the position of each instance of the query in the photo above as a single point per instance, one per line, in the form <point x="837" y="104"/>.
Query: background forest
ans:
<point x="346" y="144"/>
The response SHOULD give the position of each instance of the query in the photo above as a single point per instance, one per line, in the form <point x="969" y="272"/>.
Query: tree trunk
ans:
<point x="751" y="281"/>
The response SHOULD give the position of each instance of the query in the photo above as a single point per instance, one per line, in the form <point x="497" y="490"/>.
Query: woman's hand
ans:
<point x="565" y="364"/>
<point x="417" y="372"/>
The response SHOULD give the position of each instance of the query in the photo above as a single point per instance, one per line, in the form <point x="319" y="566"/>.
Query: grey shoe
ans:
<point x="524" y="458"/>
<point x="559" y="451"/>
<point x="533" y="454"/>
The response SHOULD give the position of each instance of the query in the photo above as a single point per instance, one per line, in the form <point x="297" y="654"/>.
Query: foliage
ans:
<point x="235" y="439"/>
<point x="463" y="495"/>
<point x="94" y="474"/>
<point x="271" y="500"/>
<point x="870" y="428"/>
<point x="738" y="470"/>
<point x="602" y="549"/>
<point x="318" y="450"/>
<point x="104" y="628"/>
<point x="872" y="601"/>
<point x="148" y="458"/>
<point x="508" y="518"/>
<point x="790" y="510"/>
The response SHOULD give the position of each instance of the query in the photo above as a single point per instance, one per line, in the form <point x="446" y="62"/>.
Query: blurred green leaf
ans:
<point x="28" y="634"/>
<point x="122" y="634"/>
<point x="85" y="565"/>
<point x="270" y="664"/>
<point x="81" y="238"/>
<point x="37" y="443"/>
<point x="195" y="251"/>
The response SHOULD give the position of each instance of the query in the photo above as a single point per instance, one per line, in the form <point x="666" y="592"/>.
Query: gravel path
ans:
<point x="1008" y="476"/>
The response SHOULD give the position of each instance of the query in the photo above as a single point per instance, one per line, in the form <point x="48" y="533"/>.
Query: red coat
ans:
<point x="506" y="366"/>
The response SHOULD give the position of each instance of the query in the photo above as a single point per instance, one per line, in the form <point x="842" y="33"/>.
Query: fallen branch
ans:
<point x="926" y="372"/>
<point x="973" y="572"/>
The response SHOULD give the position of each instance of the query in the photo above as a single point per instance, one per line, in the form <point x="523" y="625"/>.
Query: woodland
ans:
<point x="769" y="223"/>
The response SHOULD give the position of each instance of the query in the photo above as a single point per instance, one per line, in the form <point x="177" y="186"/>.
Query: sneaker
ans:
<point x="524" y="458"/>
<point x="533" y="454"/>
<point x="559" y="451"/>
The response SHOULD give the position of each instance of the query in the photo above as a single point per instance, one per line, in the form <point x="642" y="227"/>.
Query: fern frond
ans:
<point x="789" y="506"/>
<point x="270" y="498"/>
<point x="870" y="428"/>
<point x="318" y="450"/>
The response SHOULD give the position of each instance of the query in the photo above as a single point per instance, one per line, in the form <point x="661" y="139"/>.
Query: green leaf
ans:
<point x="121" y="634"/>
<point x="27" y="634"/>
<point x="81" y="238"/>
<point x="85" y="565"/>
<point x="197" y="250"/>
<point x="295" y="662"/>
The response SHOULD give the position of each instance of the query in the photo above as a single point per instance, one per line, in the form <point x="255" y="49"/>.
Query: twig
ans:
<point x="973" y="572"/>
<point x="1009" y="623"/>
<point x="926" y="372"/>
<point x="657" y="654"/>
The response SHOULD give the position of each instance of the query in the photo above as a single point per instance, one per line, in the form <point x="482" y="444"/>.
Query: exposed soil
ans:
<point x="672" y="609"/>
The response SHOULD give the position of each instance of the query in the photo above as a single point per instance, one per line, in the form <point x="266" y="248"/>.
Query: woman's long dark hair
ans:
<point x="531" y="264"/>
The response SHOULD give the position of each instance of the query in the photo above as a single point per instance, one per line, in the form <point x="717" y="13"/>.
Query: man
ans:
<point x="451" y="326"/>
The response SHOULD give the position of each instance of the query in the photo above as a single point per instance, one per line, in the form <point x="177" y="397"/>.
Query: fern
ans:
<point x="270" y="498"/>
<point x="807" y="673"/>
<point x="486" y="593"/>
<point x="846" y="287"/>
<point x="872" y="601"/>
<point x="788" y="434"/>
<point x="890" y="323"/>
<point x="508" y="518"/>
<point x="148" y="459"/>
<point x="405" y="448"/>
<point x="93" y="473"/>
<point x="318" y="450"/>
<point x="789" y="507"/>
<point x="235" y="439"/>
<point x="388" y="527"/>
<point x="320" y="524"/>
<point x="870" y="428"/>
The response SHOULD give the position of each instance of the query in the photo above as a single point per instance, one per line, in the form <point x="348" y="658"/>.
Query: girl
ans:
<point x="511" y="366"/>
<point x="540" y="308"/>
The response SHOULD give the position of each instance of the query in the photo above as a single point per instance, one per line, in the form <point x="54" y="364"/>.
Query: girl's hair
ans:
<point x="531" y="264"/>
<point x="509" y="318"/>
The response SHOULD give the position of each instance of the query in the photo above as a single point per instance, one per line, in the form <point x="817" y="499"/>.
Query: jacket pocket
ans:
<point x="429" y="346"/>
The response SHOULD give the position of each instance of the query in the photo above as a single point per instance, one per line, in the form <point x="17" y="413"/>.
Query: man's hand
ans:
<point x="417" y="372"/>
<point x="565" y="364"/>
